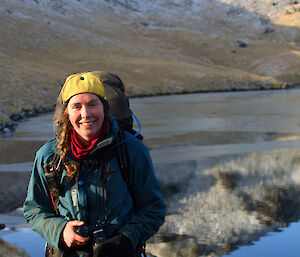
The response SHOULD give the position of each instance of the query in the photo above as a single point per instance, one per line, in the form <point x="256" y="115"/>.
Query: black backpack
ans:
<point x="115" y="93"/>
<point x="118" y="101"/>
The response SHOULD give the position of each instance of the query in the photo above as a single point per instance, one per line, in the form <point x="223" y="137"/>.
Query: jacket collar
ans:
<point x="111" y="134"/>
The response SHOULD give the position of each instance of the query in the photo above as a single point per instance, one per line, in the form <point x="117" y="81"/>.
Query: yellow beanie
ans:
<point x="82" y="83"/>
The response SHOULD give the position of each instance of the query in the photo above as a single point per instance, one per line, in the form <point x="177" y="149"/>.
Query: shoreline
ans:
<point x="7" y="129"/>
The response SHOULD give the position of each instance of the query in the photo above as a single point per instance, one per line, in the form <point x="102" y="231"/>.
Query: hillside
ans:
<point x="156" y="47"/>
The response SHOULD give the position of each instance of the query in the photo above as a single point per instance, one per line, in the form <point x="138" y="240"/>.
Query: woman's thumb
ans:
<point x="76" y="223"/>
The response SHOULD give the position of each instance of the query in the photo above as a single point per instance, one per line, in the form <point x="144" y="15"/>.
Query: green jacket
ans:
<point x="137" y="214"/>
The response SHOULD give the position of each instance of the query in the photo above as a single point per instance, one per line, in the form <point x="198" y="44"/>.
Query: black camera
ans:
<point x="96" y="234"/>
<point x="82" y="230"/>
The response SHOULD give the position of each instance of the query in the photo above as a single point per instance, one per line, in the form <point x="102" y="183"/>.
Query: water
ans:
<point x="285" y="243"/>
<point x="28" y="240"/>
<point x="228" y="163"/>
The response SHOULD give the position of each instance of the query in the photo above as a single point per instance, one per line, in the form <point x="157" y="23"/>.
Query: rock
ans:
<point x="288" y="12"/>
<point x="241" y="43"/>
<point x="23" y="115"/>
<point x="146" y="24"/>
<point x="268" y="30"/>
<point x="7" y="131"/>
<point x="2" y="226"/>
<point x="290" y="85"/>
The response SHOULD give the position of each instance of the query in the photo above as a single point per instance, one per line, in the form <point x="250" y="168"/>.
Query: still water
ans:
<point x="228" y="163"/>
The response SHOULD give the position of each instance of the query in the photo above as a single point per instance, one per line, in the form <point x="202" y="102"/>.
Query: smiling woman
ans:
<point x="78" y="199"/>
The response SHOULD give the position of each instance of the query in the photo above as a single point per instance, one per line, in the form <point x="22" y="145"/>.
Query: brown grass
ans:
<point x="37" y="54"/>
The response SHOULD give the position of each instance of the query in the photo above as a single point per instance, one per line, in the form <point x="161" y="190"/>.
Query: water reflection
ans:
<point x="280" y="206"/>
<point x="224" y="204"/>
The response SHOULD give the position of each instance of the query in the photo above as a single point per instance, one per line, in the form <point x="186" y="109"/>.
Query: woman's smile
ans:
<point x="86" y="123"/>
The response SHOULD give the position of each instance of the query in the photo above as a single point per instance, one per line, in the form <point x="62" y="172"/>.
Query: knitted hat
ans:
<point x="88" y="82"/>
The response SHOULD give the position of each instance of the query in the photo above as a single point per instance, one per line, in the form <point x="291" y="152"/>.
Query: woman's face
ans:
<point x="86" y="114"/>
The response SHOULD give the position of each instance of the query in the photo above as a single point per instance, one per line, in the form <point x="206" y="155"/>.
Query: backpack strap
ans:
<point x="123" y="158"/>
<point x="124" y="164"/>
<point x="53" y="177"/>
<point x="105" y="164"/>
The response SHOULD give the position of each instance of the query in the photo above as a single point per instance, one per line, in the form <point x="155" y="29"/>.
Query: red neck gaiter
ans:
<point x="78" y="149"/>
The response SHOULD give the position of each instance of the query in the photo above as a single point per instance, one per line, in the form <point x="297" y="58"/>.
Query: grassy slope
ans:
<point x="37" y="53"/>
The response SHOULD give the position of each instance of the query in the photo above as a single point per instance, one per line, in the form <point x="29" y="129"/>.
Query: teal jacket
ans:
<point x="138" y="213"/>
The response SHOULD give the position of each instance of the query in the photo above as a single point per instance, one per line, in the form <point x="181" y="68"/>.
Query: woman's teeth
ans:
<point x="86" y="123"/>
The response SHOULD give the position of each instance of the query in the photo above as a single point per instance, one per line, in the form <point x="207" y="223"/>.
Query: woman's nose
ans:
<point x="85" y="112"/>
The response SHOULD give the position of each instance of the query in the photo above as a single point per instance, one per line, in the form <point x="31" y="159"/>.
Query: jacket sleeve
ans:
<point x="38" y="209"/>
<point x="149" y="207"/>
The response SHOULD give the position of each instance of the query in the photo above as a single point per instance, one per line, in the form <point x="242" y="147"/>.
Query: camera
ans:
<point x="96" y="234"/>
<point x="81" y="230"/>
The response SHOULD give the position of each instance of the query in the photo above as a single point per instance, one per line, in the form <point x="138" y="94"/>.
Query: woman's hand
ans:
<point x="70" y="237"/>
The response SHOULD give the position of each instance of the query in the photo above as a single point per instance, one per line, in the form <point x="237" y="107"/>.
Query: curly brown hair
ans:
<point x="63" y="129"/>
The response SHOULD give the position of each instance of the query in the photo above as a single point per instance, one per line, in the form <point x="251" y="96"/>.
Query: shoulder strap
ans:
<point x="105" y="164"/>
<point x="52" y="178"/>
<point x="123" y="158"/>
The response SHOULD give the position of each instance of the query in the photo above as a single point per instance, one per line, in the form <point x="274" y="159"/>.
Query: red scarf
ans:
<point x="78" y="149"/>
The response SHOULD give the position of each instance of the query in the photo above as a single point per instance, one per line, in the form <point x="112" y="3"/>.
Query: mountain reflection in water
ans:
<point x="221" y="204"/>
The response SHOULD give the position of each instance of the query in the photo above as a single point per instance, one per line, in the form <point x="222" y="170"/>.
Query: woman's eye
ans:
<point x="76" y="107"/>
<point x="93" y="104"/>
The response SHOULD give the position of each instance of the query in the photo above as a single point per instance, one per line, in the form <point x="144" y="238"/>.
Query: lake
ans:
<point x="228" y="163"/>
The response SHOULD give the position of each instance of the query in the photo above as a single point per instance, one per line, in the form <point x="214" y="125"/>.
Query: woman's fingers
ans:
<point x="70" y="237"/>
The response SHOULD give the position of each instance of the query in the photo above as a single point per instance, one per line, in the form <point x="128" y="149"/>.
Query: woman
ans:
<point x="96" y="211"/>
